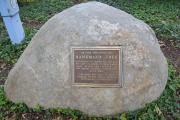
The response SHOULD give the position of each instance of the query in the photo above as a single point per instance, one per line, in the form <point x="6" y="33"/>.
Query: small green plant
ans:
<point x="162" y="15"/>
<point x="166" y="105"/>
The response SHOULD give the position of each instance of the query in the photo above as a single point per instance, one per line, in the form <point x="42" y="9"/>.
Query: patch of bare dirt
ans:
<point x="4" y="70"/>
<point x="32" y="116"/>
<point x="33" y="24"/>
<point x="171" y="51"/>
<point x="11" y="117"/>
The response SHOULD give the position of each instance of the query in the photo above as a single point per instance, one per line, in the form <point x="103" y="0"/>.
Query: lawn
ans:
<point x="162" y="15"/>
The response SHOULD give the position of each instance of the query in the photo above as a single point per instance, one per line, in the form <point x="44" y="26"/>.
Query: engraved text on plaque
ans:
<point x="96" y="66"/>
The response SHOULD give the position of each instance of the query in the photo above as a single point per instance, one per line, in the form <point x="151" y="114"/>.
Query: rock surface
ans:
<point x="42" y="74"/>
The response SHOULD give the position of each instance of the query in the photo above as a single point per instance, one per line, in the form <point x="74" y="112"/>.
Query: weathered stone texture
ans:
<point x="42" y="74"/>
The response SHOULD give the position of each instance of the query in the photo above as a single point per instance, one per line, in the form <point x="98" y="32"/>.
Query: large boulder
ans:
<point x="42" y="74"/>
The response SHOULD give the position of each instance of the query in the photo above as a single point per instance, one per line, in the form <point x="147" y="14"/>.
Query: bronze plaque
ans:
<point x="97" y="66"/>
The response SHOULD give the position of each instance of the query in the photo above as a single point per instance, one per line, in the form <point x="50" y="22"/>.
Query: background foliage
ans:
<point x="162" y="15"/>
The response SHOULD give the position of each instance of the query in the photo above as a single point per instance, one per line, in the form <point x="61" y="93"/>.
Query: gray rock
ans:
<point x="42" y="74"/>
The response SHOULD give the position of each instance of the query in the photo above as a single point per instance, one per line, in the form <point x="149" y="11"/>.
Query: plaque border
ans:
<point x="120" y="82"/>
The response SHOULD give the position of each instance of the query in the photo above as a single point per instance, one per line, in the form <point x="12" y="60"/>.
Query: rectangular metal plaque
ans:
<point x="97" y="66"/>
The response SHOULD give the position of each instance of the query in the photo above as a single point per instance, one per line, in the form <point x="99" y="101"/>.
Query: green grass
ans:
<point x="164" y="108"/>
<point x="39" y="12"/>
<point x="162" y="15"/>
